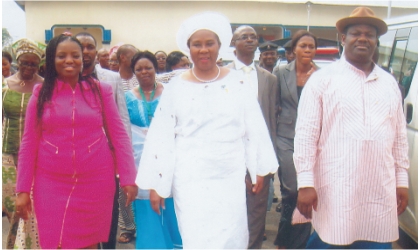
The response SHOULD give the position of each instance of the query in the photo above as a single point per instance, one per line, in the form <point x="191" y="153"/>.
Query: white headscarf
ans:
<point x="208" y="20"/>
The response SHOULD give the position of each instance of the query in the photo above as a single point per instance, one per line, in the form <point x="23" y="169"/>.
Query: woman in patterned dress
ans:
<point x="16" y="94"/>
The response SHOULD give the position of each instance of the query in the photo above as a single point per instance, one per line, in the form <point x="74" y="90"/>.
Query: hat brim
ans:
<point x="380" y="25"/>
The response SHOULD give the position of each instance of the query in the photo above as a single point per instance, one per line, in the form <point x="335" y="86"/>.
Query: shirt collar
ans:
<point x="374" y="74"/>
<point x="94" y="74"/>
<point x="61" y="84"/>
<point x="239" y="65"/>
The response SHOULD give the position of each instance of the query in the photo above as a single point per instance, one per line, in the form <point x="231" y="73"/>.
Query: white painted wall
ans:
<point x="153" y="25"/>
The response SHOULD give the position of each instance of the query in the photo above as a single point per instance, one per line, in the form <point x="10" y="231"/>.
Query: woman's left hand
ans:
<point x="131" y="192"/>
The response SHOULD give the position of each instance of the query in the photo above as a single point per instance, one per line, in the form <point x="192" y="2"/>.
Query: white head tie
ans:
<point x="212" y="21"/>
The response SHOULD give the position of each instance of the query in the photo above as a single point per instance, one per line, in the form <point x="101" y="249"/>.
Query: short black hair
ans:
<point x="301" y="33"/>
<point x="6" y="55"/>
<point x="86" y="34"/>
<point x="123" y="50"/>
<point x="173" y="59"/>
<point x="144" y="54"/>
<point x="160" y="51"/>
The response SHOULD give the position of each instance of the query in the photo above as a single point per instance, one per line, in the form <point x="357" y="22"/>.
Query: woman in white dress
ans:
<point x="208" y="130"/>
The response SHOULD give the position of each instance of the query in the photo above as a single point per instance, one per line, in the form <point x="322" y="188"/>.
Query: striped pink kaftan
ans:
<point x="351" y="145"/>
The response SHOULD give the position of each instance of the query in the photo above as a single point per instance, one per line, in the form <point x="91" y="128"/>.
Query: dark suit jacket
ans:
<point x="268" y="97"/>
<point x="286" y="78"/>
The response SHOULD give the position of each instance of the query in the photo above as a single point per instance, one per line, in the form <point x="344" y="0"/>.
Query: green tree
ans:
<point x="6" y="38"/>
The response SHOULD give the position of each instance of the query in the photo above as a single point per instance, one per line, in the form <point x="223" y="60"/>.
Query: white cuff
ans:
<point x="305" y="179"/>
<point x="402" y="178"/>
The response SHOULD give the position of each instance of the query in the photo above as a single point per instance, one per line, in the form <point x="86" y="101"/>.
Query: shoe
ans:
<point x="278" y="208"/>
<point x="125" y="238"/>
<point x="264" y="237"/>
<point x="275" y="199"/>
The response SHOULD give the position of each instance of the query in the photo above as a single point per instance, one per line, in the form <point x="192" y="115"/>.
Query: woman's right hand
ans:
<point x="23" y="205"/>
<point x="156" y="201"/>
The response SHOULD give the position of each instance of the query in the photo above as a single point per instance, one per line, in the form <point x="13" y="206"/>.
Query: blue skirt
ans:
<point x="156" y="231"/>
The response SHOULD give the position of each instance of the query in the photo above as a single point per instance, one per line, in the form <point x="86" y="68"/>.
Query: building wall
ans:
<point x="153" y="25"/>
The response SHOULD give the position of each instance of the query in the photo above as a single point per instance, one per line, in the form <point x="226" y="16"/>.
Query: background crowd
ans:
<point x="178" y="151"/>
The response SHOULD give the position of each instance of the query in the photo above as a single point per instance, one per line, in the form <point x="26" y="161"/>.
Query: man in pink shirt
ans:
<point x="351" y="149"/>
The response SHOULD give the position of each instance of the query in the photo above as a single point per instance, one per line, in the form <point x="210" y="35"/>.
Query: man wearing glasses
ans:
<point x="263" y="84"/>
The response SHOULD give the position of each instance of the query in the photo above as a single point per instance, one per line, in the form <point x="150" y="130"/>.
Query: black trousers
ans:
<point x="288" y="235"/>
<point x="112" y="238"/>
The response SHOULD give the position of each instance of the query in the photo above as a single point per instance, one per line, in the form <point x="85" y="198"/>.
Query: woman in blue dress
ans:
<point x="153" y="230"/>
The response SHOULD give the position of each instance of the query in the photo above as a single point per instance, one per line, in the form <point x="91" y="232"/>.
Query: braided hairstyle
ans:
<point x="47" y="89"/>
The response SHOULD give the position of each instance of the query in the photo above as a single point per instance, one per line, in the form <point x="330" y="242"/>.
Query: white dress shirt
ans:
<point x="252" y="79"/>
<point x="351" y="146"/>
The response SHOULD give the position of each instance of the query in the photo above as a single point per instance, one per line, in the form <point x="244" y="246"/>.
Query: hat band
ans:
<point x="26" y="51"/>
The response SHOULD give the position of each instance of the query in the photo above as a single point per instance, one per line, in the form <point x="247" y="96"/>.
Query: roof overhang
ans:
<point x="21" y="4"/>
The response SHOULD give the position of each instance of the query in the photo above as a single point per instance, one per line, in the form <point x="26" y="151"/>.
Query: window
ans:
<point x="398" y="54"/>
<point x="410" y="60"/>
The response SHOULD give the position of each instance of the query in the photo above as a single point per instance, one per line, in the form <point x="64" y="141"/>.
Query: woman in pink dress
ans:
<point x="66" y="155"/>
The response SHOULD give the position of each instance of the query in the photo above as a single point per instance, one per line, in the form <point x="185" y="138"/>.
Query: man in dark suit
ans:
<point x="264" y="84"/>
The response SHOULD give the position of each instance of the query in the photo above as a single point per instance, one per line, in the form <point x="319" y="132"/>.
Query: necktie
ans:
<point x="247" y="72"/>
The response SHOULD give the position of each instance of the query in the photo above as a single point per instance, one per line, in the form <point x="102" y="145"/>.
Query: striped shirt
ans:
<point x="130" y="83"/>
<point x="351" y="146"/>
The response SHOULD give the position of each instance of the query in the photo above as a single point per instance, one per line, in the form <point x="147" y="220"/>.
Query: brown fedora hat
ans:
<point x="362" y="15"/>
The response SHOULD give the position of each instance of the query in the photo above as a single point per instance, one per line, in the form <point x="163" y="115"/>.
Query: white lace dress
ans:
<point x="201" y="141"/>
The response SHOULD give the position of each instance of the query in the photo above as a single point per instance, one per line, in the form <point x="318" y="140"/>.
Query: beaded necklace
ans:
<point x="148" y="108"/>
<point x="207" y="81"/>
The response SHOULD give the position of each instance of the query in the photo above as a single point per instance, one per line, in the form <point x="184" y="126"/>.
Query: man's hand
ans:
<point x="156" y="201"/>
<point x="402" y="199"/>
<point x="23" y="205"/>
<point x="307" y="199"/>
<point x="131" y="192"/>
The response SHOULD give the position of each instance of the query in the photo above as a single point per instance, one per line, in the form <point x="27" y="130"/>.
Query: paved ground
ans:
<point x="272" y="221"/>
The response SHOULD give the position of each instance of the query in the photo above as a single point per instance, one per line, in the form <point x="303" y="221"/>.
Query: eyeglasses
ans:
<point x="246" y="37"/>
<point x="113" y="62"/>
<point x="29" y="65"/>
<point x="161" y="58"/>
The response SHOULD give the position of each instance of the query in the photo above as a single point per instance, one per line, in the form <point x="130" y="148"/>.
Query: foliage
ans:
<point x="7" y="41"/>
<point x="6" y="38"/>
